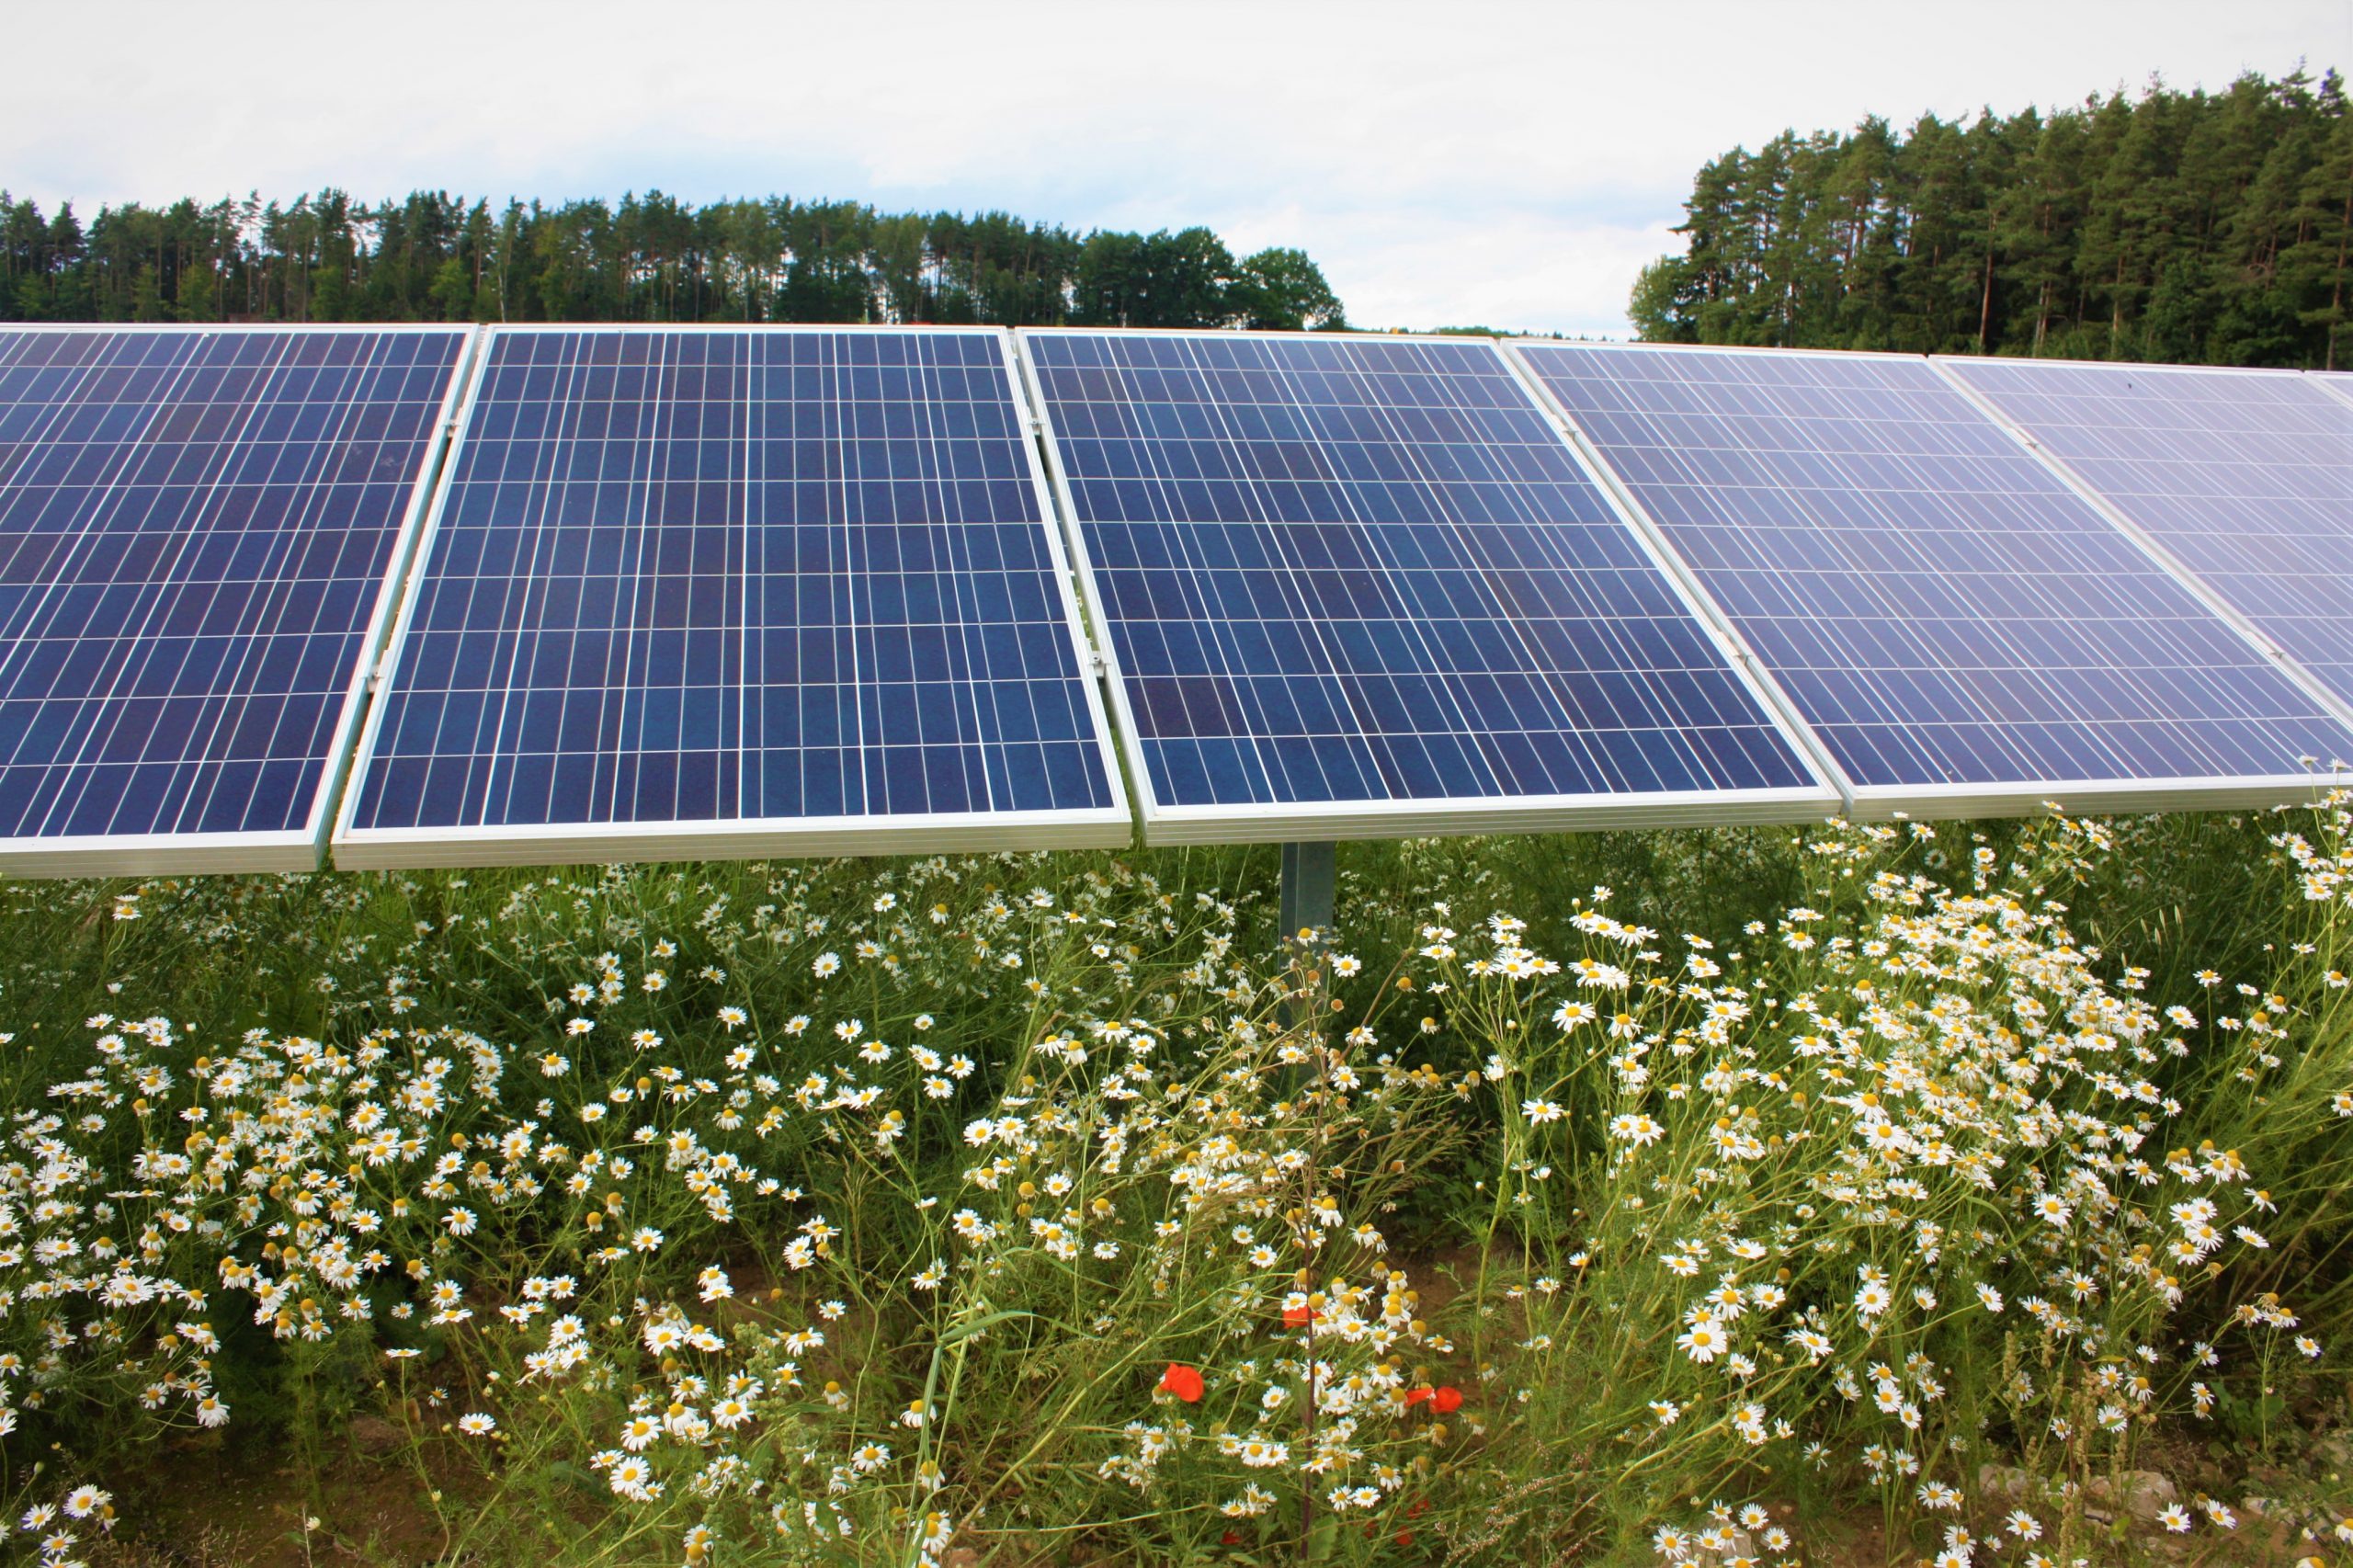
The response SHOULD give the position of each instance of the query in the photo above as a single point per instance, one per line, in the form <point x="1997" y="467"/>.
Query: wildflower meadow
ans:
<point x="1966" y="1194"/>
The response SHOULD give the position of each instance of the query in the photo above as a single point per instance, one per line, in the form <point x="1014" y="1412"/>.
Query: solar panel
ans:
<point x="1960" y="630"/>
<point x="198" y="532"/>
<point x="1355" y="585"/>
<point x="703" y="592"/>
<point x="2243" y="477"/>
<point x="2338" y="381"/>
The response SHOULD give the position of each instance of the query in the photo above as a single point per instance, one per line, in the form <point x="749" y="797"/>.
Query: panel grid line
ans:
<point x="1945" y="615"/>
<point x="197" y="531"/>
<point x="757" y="588"/>
<point x="1694" y="592"/>
<point x="2242" y="480"/>
<point x="84" y="544"/>
<point x="1366" y="580"/>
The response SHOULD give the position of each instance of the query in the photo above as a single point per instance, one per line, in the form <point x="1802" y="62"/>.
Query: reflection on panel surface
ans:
<point x="1942" y="610"/>
<point x="2245" y="477"/>
<point x="196" y="531"/>
<point x="1346" y="571"/>
<point x="732" y="578"/>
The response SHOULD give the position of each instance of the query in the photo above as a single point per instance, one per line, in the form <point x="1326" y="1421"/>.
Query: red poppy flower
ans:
<point x="1297" y="1317"/>
<point x="1231" y="1537"/>
<point x="1446" y="1401"/>
<point x="1416" y="1396"/>
<point x="1183" y="1382"/>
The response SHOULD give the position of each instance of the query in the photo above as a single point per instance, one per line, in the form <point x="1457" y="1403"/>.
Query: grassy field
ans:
<point x="1973" y="1194"/>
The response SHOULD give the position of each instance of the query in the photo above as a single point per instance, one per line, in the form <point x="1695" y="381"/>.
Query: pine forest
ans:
<point x="2183" y="227"/>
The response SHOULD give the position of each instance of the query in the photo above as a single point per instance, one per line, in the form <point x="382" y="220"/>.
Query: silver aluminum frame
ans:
<point x="2087" y="796"/>
<point x="1439" y="816"/>
<point x="1940" y="362"/>
<point x="179" y="854"/>
<point x="2152" y="366"/>
<point x="743" y="837"/>
<point x="1879" y="802"/>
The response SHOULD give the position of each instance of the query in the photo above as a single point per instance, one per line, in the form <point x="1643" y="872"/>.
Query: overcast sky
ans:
<point x="1446" y="161"/>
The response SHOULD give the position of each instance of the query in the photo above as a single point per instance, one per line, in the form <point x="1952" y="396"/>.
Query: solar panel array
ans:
<point x="1352" y="584"/>
<point x="1960" y="630"/>
<point x="784" y="590"/>
<point x="2243" y="477"/>
<point x="198" y="533"/>
<point x="736" y="591"/>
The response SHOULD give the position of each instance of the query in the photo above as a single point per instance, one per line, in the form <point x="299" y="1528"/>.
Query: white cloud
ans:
<point x="1466" y="162"/>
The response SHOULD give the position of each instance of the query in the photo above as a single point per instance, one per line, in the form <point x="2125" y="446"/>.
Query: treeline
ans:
<point x="2186" y="227"/>
<point x="327" y="257"/>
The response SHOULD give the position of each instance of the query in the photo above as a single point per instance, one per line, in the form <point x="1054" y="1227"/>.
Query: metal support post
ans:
<point x="1308" y="895"/>
<point x="1309" y="883"/>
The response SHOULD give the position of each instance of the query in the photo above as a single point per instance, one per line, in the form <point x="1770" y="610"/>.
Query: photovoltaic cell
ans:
<point x="1952" y="621"/>
<point x="1350" y="577"/>
<point x="736" y="591"/>
<point x="2245" y="477"/>
<point x="196" y="527"/>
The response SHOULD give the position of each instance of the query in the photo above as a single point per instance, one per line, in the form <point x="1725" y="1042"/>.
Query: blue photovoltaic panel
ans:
<point x="1345" y="572"/>
<point x="2245" y="477"/>
<point x="195" y="531"/>
<point x="1942" y="610"/>
<point x="735" y="578"/>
